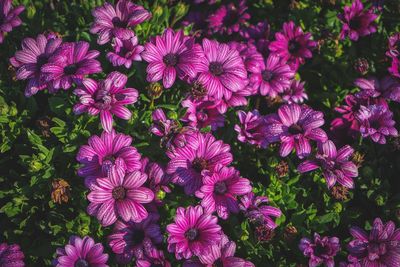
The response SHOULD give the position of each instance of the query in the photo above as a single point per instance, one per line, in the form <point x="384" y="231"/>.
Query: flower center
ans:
<point x="198" y="90"/>
<point x="81" y="263"/>
<point x="216" y="68"/>
<point x="375" y="250"/>
<point x="202" y="116"/>
<point x="320" y="250"/>
<point x="170" y="59"/>
<point x="70" y="69"/>
<point x="117" y="22"/>
<point x="138" y="237"/>
<point x="295" y="129"/>
<point x="375" y="124"/>
<point x="156" y="265"/>
<point x="267" y="75"/>
<point x="103" y="99"/>
<point x="220" y="188"/>
<point x="192" y="234"/>
<point x="41" y="60"/>
<point x="199" y="164"/>
<point x="218" y="263"/>
<point x="293" y="47"/>
<point x="355" y="24"/>
<point x="119" y="193"/>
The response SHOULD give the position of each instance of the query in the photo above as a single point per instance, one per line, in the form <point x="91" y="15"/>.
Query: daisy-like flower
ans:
<point x="295" y="93"/>
<point x="117" y="21"/>
<point x="201" y="152"/>
<point x="223" y="72"/>
<point x="252" y="128"/>
<point x="273" y="77"/>
<point x="201" y="114"/>
<point x="321" y="250"/>
<point x="193" y="232"/>
<point x="70" y="63"/>
<point x="220" y="190"/>
<point x="394" y="46"/>
<point x="394" y="69"/>
<point x="292" y="45"/>
<point x="172" y="54"/>
<point x="335" y="164"/>
<point x="388" y="87"/>
<point x="157" y="177"/>
<point x="154" y="258"/>
<point x="125" y="52"/>
<point x="378" y="248"/>
<point x="29" y="61"/>
<point x="120" y="195"/>
<point x="258" y="35"/>
<point x="295" y="126"/>
<point x="252" y="59"/>
<point x="81" y="252"/>
<point x="357" y="22"/>
<point x="9" y="17"/>
<point x="107" y="98"/>
<point x="11" y="255"/>
<point x="105" y="151"/>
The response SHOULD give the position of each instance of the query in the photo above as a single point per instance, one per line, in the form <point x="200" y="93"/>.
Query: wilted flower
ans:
<point x="11" y="255"/>
<point x="290" y="233"/>
<point x="282" y="169"/>
<point x="361" y="66"/>
<point x="321" y="250"/>
<point x="9" y="17"/>
<point x="155" y="90"/>
<point x="340" y="192"/>
<point x="252" y="128"/>
<point x="60" y="191"/>
<point x="125" y="52"/>
<point x="263" y="233"/>
<point x="200" y="114"/>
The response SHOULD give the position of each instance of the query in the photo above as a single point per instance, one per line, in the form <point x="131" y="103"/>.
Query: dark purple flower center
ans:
<point x="355" y="23"/>
<point x="199" y="164"/>
<point x="198" y="90"/>
<point x="232" y="16"/>
<point x="267" y="75"/>
<point x="119" y="193"/>
<point x="138" y="237"/>
<point x="295" y="129"/>
<point x="41" y="60"/>
<point x="202" y="116"/>
<point x="220" y="188"/>
<point x="156" y="265"/>
<point x="117" y="22"/>
<point x="192" y="234"/>
<point x="375" y="124"/>
<point x="376" y="249"/>
<point x="103" y="99"/>
<point x="218" y="263"/>
<point x="216" y="68"/>
<point x="397" y="45"/>
<point x="70" y="69"/>
<point x="170" y="59"/>
<point x="320" y="250"/>
<point x="293" y="47"/>
<point x="81" y="263"/>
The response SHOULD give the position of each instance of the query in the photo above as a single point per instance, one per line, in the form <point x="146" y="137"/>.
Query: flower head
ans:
<point x="11" y="255"/>
<point x="321" y="250"/>
<point x="9" y="17"/>
<point x="125" y="52"/>
<point x="252" y="128"/>
<point x="258" y="35"/>
<point x="201" y="114"/>
<point x="394" y="46"/>
<point x="154" y="258"/>
<point x="158" y="179"/>
<point x="388" y="87"/>
<point x="294" y="93"/>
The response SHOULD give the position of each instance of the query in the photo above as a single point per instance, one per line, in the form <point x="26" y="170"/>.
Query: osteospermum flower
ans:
<point x="11" y="255"/>
<point x="81" y="252"/>
<point x="201" y="114"/>
<point x="117" y="21"/>
<point x="154" y="258"/>
<point x="292" y="45"/>
<point x="295" y="126"/>
<point x="321" y="250"/>
<point x="70" y="63"/>
<point x="258" y="34"/>
<point x="252" y="59"/>
<point x="192" y="233"/>
<point x="394" y="46"/>
<point x="107" y="98"/>
<point x="172" y="54"/>
<point x="252" y="128"/>
<point x="121" y="195"/>
<point x="378" y="248"/>
<point x="357" y="22"/>
<point x="157" y="177"/>
<point x="295" y="93"/>
<point x="388" y="87"/>
<point x="9" y="17"/>
<point x="125" y="52"/>
<point x="201" y="152"/>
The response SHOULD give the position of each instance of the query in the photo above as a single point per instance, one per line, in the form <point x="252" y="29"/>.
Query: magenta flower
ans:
<point x="357" y="22"/>
<point x="394" y="69"/>
<point x="192" y="233"/>
<point x="273" y="77"/>
<point x="295" y="126"/>
<point x="70" y="63"/>
<point x="172" y="54"/>
<point x="378" y="248"/>
<point x="252" y="59"/>
<point x="11" y="255"/>
<point x="292" y="45"/>
<point x="295" y="93"/>
<point x="125" y="52"/>
<point x="335" y="164"/>
<point x="258" y="35"/>
<point x="252" y="128"/>
<point x="117" y="21"/>
<point x="220" y="190"/>
<point x="157" y="177"/>
<point x="200" y="114"/>
<point x="321" y="250"/>
<point x="388" y="87"/>
<point x="9" y="17"/>
<point x="121" y="195"/>
<point x="394" y="46"/>
<point x="81" y="252"/>
<point x="201" y="152"/>
<point x="107" y="97"/>
<point x="224" y="72"/>
<point x="154" y="258"/>
<point x="162" y="126"/>
<point x="29" y="61"/>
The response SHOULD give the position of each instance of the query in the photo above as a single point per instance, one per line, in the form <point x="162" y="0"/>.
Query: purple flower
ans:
<point x="107" y="98"/>
<point x="228" y="18"/>
<point x="193" y="232"/>
<point x="158" y="179"/>
<point x="394" y="46"/>
<point x="252" y="59"/>
<point x="394" y="69"/>
<point x="154" y="258"/>
<point x="117" y="21"/>
<point x="125" y="52"/>
<point x="357" y="22"/>
<point x="172" y="54"/>
<point x="252" y="128"/>
<point x="120" y="195"/>
<point x="101" y="153"/>
<point x="81" y="252"/>
<point x="273" y="77"/>
<point x="11" y="255"/>
<point x="376" y="122"/>
<point x="162" y="126"/>
<point x="220" y="190"/>
<point x="292" y="45"/>
<point x="387" y="87"/>
<point x="29" y="61"/>
<point x="295" y="126"/>
<point x="201" y="114"/>
<point x="9" y="17"/>
<point x="201" y="152"/>
<point x="321" y="250"/>
<point x="258" y="35"/>
<point x="378" y="248"/>
<point x="335" y="164"/>
<point x="224" y="72"/>
<point x="295" y="93"/>
<point x="70" y="63"/>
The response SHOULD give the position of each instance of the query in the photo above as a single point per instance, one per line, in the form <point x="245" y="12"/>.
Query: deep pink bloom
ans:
<point x="9" y="17"/>
<point x="394" y="46"/>
<point x="11" y="255"/>
<point x="201" y="152"/>
<point x="158" y="179"/>
<point x="378" y="248"/>
<point x="292" y="45"/>
<point x="120" y="195"/>
<point x="388" y="87"/>
<point x="81" y="252"/>
<point x="321" y="250"/>
<point x="117" y="21"/>
<point x="294" y="127"/>
<point x="258" y="35"/>
<point x="172" y="54"/>
<point x="295" y="93"/>
<point x="357" y="22"/>
<point x="70" y="63"/>
<point x="201" y="114"/>
<point x="335" y="164"/>
<point x="394" y="69"/>
<point x="125" y="52"/>
<point x="162" y="126"/>
<point x="193" y="232"/>
<point x="154" y="258"/>
<point x="252" y="59"/>
<point x="252" y="128"/>
<point x="107" y="97"/>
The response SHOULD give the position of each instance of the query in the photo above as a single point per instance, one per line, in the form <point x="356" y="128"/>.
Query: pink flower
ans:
<point x="125" y="52"/>
<point x="252" y="128"/>
<point x="201" y="114"/>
